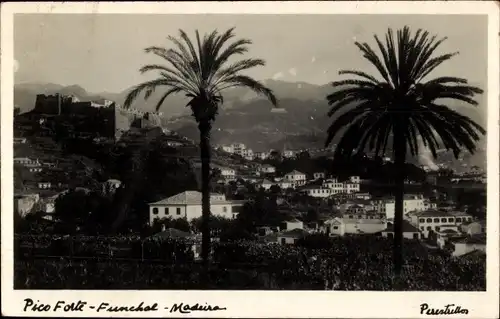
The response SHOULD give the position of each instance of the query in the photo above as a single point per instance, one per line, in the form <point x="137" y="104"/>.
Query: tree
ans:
<point x="202" y="75"/>
<point x="400" y="107"/>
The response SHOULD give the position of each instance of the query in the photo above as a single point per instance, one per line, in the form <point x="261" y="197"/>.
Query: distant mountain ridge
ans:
<point x="244" y="117"/>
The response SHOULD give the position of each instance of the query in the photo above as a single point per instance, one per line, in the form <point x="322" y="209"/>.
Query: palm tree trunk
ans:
<point x="205" y="126"/>
<point x="400" y="161"/>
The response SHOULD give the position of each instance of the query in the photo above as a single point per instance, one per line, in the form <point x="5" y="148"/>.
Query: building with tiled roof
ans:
<point x="291" y="237"/>
<point x="469" y="244"/>
<point x="435" y="220"/>
<point x="409" y="231"/>
<point x="188" y="205"/>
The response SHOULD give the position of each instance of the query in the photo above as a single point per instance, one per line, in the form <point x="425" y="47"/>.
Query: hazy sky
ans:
<point x="104" y="52"/>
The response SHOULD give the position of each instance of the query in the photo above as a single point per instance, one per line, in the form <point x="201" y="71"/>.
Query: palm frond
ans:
<point x="146" y="87"/>
<point x="246" y="81"/>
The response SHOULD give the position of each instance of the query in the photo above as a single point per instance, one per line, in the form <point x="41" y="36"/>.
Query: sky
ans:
<point x="103" y="52"/>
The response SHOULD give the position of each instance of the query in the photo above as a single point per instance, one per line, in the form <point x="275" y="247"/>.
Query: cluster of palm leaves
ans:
<point x="396" y="109"/>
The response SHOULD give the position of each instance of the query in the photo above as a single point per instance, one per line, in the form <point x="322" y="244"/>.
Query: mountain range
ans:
<point x="300" y="121"/>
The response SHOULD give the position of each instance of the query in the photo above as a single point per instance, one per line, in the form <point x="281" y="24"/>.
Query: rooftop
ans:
<point x="407" y="228"/>
<point x="473" y="240"/>
<point x="189" y="198"/>
<point x="433" y="213"/>
<point x="295" y="172"/>
<point x="294" y="233"/>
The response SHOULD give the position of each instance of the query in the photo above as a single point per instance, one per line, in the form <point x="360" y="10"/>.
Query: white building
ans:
<point x="434" y="220"/>
<point x="261" y="155"/>
<point x="267" y="169"/>
<point x="188" y="205"/>
<point x="474" y="228"/>
<point x="296" y="178"/>
<point x="470" y="244"/>
<point x="26" y="161"/>
<point x="266" y="184"/>
<point x="288" y="154"/>
<point x="409" y="231"/>
<point x="239" y="148"/>
<point x="411" y="203"/>
<point x="352" y="186"/>
<point x="293" y="224"/>
<point x="44" y="185"/>
<point x="317" y="191"/>
<point x="227" y="173"/>
<point x="227" y="148"/>
<point x="341" y="226"/>
<point x="291" y="237"/>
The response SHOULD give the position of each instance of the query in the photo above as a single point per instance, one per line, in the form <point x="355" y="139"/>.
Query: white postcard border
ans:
<point x="257" y="304"/>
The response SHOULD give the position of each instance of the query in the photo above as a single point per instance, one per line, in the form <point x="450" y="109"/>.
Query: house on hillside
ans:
<point x="435" y="220"/>
<point x="474" y="228"/>
<point x="296" y="178"/>
<point x="267" y="169"/>
<point x="409" y="231"/>
<point x="188" y="205"/>
<point x="470" y="244"/>
<point x="291" y="237"/>
<point x="266" y="184"/>
<point x="293" y="224"/>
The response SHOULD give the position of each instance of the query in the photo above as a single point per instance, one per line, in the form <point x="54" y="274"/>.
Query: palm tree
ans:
<point x="201" y="74"/>
<point x="401" y="107"/>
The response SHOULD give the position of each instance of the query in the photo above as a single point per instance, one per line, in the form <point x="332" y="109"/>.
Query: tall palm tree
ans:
<point x="400" y="107"/>
<point x="201" y="72"/>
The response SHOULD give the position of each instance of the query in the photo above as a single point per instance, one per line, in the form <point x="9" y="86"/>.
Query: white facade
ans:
<point x="26" y="161"/>
<point x="188" y="205"/>
<point x="288" y="154"/>
<point x="342" y="226"/>
<point x="294" y="224"/>
<point x="343" y="188"/>
<point x="437" y="220"/>
<point x="411" y="203"/>
<point x="296" y="178"/>
<point x="319" y="192"/>
<point x="267" y="169"/>
<point x="44" y="185"/>
<point x="468" y="245"/>
<point x="266" y="184"/>
<point x="227" y="173"/>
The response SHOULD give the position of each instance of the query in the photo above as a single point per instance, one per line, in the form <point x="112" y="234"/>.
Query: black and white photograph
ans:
<point x="250" y="154"/>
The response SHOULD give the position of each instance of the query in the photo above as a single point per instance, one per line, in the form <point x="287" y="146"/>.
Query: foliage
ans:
<point x="402" y="107"/>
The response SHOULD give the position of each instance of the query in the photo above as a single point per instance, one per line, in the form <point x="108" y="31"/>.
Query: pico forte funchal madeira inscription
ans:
<point x="80" y="306"/>
<point x="315" y="170"/>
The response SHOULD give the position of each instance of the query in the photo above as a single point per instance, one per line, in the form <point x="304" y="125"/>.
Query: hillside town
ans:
<point x="351" y="210"/>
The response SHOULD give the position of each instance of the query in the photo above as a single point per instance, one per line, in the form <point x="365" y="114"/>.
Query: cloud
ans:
<point x="278" y="75"/>
<point x="313" y="59"/>
<point x="293" y="71"/>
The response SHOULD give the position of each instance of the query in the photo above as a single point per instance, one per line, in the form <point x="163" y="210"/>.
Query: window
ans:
<point x="283" y="241"/>
<point x="224" y="209"/>
<point x="421" y="220"/>
<point x="350" y="216"/>
<point x="436" y="220"/>
<point x="335" y="227"/>
<point x="443" y="220"/>
<point x="429" y="220"/>
<point x="155" y="211"/>
<point x="459" y="219"/>
<point x="429" y="228"/>
<point x="438" y="228"/>
<point x="422" y="228"/>
<point x="450" y="220"/>
<point x="178" y="210"/>
<point x="166" y="211"/>
<point x="415" y="236"/>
